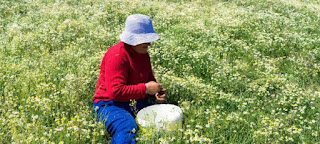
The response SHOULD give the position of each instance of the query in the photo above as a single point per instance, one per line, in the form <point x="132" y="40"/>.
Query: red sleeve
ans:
<point x="151" y="76"/>
<point x="117" y="68"/>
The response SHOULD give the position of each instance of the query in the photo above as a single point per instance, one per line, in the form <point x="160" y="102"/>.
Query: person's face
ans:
<point x="141" y="48"/>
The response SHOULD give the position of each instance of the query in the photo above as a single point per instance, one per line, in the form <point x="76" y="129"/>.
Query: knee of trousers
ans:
<point x="126" y="124"/>
<point x="123" y="130"/>
<point x="120" y="123"/>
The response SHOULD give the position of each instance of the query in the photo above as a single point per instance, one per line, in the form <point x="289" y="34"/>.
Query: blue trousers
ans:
<point x="119" y="119"/>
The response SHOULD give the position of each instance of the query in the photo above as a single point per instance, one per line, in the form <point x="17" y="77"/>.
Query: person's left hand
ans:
<point x="161" y="98"/>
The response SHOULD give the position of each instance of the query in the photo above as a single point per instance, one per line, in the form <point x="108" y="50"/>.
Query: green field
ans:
<point x="242" y="71"/>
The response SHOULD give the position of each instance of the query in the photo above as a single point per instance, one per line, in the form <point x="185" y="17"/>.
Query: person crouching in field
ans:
<point x="126" y="75"/>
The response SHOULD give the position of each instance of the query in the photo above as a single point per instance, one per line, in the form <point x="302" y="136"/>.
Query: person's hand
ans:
<point x="152" y="87"/>
<point x="161" y="98"/>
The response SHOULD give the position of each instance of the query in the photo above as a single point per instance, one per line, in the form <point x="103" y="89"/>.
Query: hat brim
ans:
<point x="135" y="39"/>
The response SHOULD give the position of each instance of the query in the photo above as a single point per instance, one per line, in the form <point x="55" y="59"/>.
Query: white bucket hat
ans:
<point x="138" y="30"/>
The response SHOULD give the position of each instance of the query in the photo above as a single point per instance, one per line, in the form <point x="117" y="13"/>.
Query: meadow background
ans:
<point x="242" y="71"/>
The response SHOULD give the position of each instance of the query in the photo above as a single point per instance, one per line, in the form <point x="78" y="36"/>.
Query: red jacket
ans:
<point x="123" y="74"/>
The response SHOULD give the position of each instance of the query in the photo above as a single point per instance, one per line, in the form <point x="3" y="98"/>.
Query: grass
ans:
<point x="242" y="71"/>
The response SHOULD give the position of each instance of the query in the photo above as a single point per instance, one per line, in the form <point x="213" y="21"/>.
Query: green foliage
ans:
<point x="242" y="71"/>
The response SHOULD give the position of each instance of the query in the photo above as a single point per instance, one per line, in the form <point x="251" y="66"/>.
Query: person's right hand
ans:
<point x="152" y="87"/>
<point x="161" y="98"/>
